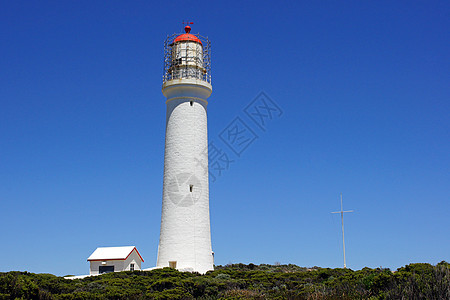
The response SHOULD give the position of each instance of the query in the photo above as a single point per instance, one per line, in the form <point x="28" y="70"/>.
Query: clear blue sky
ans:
<point x="363" y="86"/>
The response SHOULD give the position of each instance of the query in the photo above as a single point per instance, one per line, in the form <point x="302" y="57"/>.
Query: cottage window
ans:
<point x="131" y="267"/>
<point x="105" y="269"/>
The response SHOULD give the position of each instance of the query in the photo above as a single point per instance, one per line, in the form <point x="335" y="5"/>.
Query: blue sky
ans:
<point x="364" y="91"/>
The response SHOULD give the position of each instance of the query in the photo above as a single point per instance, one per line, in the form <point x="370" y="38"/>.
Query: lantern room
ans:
<point x="187" y="56"/>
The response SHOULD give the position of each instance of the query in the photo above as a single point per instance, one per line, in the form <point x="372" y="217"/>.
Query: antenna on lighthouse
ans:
<point x="187" y="23"/>
<point x="342" y="222"/>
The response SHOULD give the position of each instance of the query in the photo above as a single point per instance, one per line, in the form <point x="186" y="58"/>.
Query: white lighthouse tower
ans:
<point x="185" y="238"/>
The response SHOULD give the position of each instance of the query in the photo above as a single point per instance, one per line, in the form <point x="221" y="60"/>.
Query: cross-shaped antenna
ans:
<point x="187" y="28"/>
<point x="342" y="221"/>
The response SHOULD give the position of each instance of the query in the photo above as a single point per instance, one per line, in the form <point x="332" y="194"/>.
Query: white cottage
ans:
<point x="114" y="259"/>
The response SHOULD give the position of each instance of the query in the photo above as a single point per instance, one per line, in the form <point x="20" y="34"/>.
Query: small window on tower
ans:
<point x="191" y="187"/>
<point x="192" y="103"/>
<point x="173" y="264"/>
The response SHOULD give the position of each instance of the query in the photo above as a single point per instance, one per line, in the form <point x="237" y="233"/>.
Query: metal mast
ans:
<point x="342" y="222"/>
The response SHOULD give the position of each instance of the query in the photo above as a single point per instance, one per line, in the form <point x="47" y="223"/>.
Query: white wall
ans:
<point x="185" y="227"/>
<point x="118" y="265"/>
<point x="133" y="259"/>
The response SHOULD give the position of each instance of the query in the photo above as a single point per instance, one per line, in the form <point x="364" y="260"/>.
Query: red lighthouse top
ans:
<point x="187" y="36"/>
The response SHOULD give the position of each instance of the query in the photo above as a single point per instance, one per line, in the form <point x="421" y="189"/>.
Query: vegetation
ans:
<point x="239" y="281"/>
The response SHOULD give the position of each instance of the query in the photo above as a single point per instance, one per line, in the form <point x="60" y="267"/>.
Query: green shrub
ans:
<point x="238" y="281"/>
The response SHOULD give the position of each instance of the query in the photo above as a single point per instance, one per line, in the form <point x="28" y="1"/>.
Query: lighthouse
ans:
<point x="185" y="237"/>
